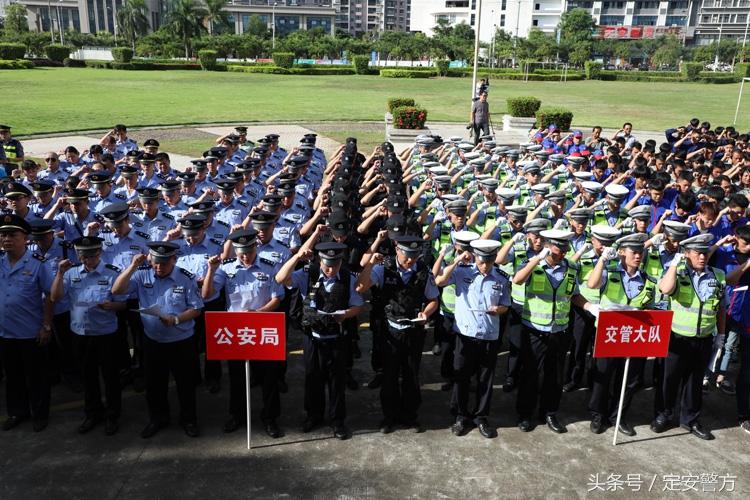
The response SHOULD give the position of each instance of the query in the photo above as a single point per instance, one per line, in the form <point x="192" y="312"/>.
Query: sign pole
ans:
<point x="622" y="398"/>
<point x="247" y="397"/>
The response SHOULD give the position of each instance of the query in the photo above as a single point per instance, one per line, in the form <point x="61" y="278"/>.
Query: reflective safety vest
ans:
<point x="585" y="268"/>
<point x="11" y="149"/>
<point x="523" y="198"/>
<point x="444" y="238"/>
<point x="490" y="216"/>
<point x="653" y="268"/>
<point x="545" y="305"/>
<point x="600" y="217"/>
<point x="448" y="293"/>
<point x="693" y="318"/>
<point x="517" y="292"/>
<point x="614" y="292"/>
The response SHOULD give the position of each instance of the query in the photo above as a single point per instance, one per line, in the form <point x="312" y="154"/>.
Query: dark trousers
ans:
<point x="684" y="367"/>
<point x="62" y="356"/>
<point x="325" y="368"/>
<point x="268" y="373"/>
<point x="350" y="327"/>
<point x="541" y="356"/>
<point x="473" y="357"/>
<point x="605" y="392"/>
<point x="480" y="129"/>
<point x="377" y="325"/>
<point x="129" y="325"/>
<point x="27" y="389"/>
<point x="401" y="360"/>
<point x="743" y="379"/>
<point x="514" y="347"/>
<point x="212" y="368"/>
<point x="161" y="359"/>
<point x="447" y="344"/>
<point x="577" y="360"/>
<point x="95" y="354"/>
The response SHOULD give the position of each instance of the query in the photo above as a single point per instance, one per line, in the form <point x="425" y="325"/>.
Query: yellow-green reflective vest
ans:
<point x="545" y="305"/>
<point x="444" y="238"/>
<point x="448" y="293"/>
<point x="517" y="292"/>
<point x="585" y="268"/>
<point x="614" y="293"/>
<point x="693" y="318"/>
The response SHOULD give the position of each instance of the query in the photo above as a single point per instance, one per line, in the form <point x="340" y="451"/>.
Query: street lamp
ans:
<point x="51" y="22"/>
<point x="273" y="25"/>
<point x="476" y="48"/>
<point x="59" y="21"/>
<point x="515" y="37"/>
<point x="718" y="45"/>
<point x="114" y="18"/>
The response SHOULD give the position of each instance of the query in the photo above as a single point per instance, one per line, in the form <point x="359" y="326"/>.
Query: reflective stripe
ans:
<point x="693" y="318"/>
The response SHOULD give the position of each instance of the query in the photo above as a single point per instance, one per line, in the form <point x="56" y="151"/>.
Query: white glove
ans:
<point x="544" y="204"/>
<point x="561" y="223"/>
<point x="518" y="237"/>
<point x="440" y="217"/>
<point x="585" y="248"/>
<point x="593" y="309"/>
<point x="561" y="169"/>
<point x="628" y="222"/>
<point x="500" y="220"/>
<point x="609" y="253"/>
<point x="676" y="260"/>
<point x="434" y="204"/>
<point x="599" y="203"/>
<point x="543" y="254"/>
<point x="467" y="168"/>
<point x="483" y="205"/>
<point x="446" y="248"/>
<point x="657" y="239"/>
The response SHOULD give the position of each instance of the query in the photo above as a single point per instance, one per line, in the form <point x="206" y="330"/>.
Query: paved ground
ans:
<point x="58" y="463"/>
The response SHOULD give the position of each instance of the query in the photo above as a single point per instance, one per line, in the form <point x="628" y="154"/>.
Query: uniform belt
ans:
<point x="318" y="336"/>
<point x="399" y="326"/>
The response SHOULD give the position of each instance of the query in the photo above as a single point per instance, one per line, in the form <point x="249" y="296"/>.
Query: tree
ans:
<point x="16" y="22"/>
<point x="580" y="53"/>
<point x="576" y="26"/>
<point x="215" y="14"/>
<point x="257" y="27"/>
<point x="668" y="53"/>
<point x="184" y="20"/>
<point x="132" y="20"/>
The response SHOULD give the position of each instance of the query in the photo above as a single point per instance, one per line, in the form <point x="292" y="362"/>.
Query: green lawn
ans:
<point x="69" y="99"/>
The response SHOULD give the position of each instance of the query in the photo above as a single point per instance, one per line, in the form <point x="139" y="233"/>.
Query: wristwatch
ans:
<point x="47" y="328"/>
<point x="176" y="320"/>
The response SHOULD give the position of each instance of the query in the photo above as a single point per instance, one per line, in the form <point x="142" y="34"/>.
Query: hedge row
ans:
<point x="406" y="73"/>
<point x="275" y="70"/>
<point x="11" y="51"/>
<point x="16" y="64"/>
<point x="143" y="66"/>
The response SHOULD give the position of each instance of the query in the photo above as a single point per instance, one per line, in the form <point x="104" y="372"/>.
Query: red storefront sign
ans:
<point x="633" y="334"/>
<point x="253" y="336"/>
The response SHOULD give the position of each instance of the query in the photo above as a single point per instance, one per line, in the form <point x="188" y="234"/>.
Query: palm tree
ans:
<point x="215" y="14"/>
<point x="132" y="20"/>
<point x="185" y="21"/>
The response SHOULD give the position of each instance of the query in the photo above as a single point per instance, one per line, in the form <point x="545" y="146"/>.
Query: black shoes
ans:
<point x="39" y="424"/>
<point x="698" y="430"/>
<point x="214" y="386"/>
<point x="660" y="424"/>
<point x="88" y="424"/>
<point x="597" y="425"/>
<point x="191" y="429"/>
<point x="151" y="429"/>
<point x="460" y="428"/>
<point x="570" y="386"/>
<point x="509" y="385"/>
<point x="554" y="424"/>
<point x="436" y="349"/>
<point x="341" y="432"/>
<point x="376" y="381"/>
<point x="111" y="426"/>
<point x="414" y="427"/>
<point x="525" y="425"/>
<point x="272" y="429"/>
<point x="309" y="424"/>
<point x="486" y="430"/>
<point x="12" y="422"/>
<point x="626" y="428"/>
<point x="231" y="424"/>
<point x="386" y="427"/>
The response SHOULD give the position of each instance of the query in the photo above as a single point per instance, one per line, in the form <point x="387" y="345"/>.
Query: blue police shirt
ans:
<point x="54" y="254"/>
<point x="157" y="228"/>
<point x="475" y="294"/>
<point x="21" y="302"/>
<point x="84" y="291"/>
<point x="247" y="288"/>
<point x="194" y="258"/>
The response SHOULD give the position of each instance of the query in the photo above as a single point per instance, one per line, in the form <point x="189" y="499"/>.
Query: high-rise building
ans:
<point x="361" y="16"/>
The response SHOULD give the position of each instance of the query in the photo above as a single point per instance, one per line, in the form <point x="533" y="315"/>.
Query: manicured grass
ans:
<point x="69" y="99"/>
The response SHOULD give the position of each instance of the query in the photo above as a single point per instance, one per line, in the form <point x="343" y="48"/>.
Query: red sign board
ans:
<point x="633" y="334"/>
<point x="253" y="336"/>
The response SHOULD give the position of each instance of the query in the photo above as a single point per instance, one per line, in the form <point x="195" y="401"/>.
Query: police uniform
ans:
<point x="11" y="147"/>
<point x="71" y="224"/>
<point x="98" y="202"/>
<point x="95" y="341"/>
<point x="324" y="348"/>
<point x="168" y="348"/>
<point x="176" y="210"/>
<point x="27" y="281"/>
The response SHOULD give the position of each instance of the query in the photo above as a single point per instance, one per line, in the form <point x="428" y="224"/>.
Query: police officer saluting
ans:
<point x="411" y="298"/>
<point x="87" y="288"/>
<point x="249" y="286"/>
<point x="695" y="292"/>
<point x="169" y="346"/>
<point x="331" y="298"/>
<point x="482" y="297"/>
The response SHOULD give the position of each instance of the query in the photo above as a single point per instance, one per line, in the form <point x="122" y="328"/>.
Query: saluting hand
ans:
<point x="64" y="266"/>
<point x="214" y="262"/>
<point x="376" y="258"/>
<point x="138" y="259"/>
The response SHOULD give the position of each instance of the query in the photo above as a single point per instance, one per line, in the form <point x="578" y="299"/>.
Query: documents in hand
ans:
<point x="153" y="310"/>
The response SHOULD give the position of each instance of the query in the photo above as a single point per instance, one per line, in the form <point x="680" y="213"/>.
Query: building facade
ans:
<point x="360" y="16"/>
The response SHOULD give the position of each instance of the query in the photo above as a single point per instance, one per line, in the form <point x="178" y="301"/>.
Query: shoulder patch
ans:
<point x="187" y="273"/>
<point x="168" y="216"/>
<point x="39" y="257"/>
<point x="112" y="267"/>
<point x="243" y="202"/>
<point x="144" y="266"/>
<point x="226" y="224"/>
<point x="229" y="261"/>
<point x="121" y="196"/>
<point x="143" y="235"/>
<point x="218" y="242"/>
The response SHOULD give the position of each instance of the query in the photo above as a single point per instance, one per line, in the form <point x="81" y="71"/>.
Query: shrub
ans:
<point x="397" y="102"/>
<point x="93" y="63"/>
<point x="122" y="54"/>
<point x="275" y="70"/>
<point x="559" y="116"/>
<point x="710" y="77"/>
<point x="207" y="58"/>
<point x="523" y="106"/>
<point x="442" y="66"/>
<point x="57" y="52"/>
<point x="593" y="70"/>
<point x="361" y="64"/>
<point x="691" y="70"/>
<point x="16" y="64"/>
<point x="406" y="73"/>
<point x="125" y="66"/>
<point x="742" y="70"/>
<point x="410" y="117"/>
<point x="9" y="51"/>
<point x="74" y="63"/>
<point x="283" y="59"/>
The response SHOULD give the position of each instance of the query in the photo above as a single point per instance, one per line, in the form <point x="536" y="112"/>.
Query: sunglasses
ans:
<point x="53" y="160"/>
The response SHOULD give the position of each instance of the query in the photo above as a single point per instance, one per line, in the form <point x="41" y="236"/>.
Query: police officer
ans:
<point x="12" y="147"/>
<point x="18" y="197"/>
<point x="88" y="288"/>
<point x="25" y="325"/>
<point x="625" y="285"/>
<point x="412" y="297"/>
<point x="333" y="298"/>
<point x="248" y="285"/>
<point x="695" y="292"/>
<point x="550" y="288"/>
<point x="172" y="294"/>
<point x="482" y="297"/>
<point x="150" y="219"/>
<point x="104" y="194"/>
<point x="77" y="216"/>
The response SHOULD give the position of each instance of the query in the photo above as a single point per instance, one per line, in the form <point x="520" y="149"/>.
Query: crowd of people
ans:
<point x="111" y="256"/>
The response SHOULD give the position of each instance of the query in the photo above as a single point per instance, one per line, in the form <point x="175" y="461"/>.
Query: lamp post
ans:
<point x="718" y="45"/>
<point x="59" y="22"/>
<point x="478" y="24"/>
<point x="51" y="22"/>
<point x="273" y="25"/>
<point x="515" y="37"/>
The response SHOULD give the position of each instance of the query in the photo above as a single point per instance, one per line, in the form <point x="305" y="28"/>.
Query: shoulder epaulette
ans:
<point x="39" y="257"/>
<point x="187" y="273"/>
<point x="502" y="273"/>
<point x="226" y="224"/>
<point x="218" y="242"/>
<point x="229" y="261"/>
<point x="113" y="267"/>
<point x="167" y="215"/>
<point x="143" y="235"/>
<point x="121" y="196"/>
<point x="144" y="266"/>
<point x="242" y="202"/>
